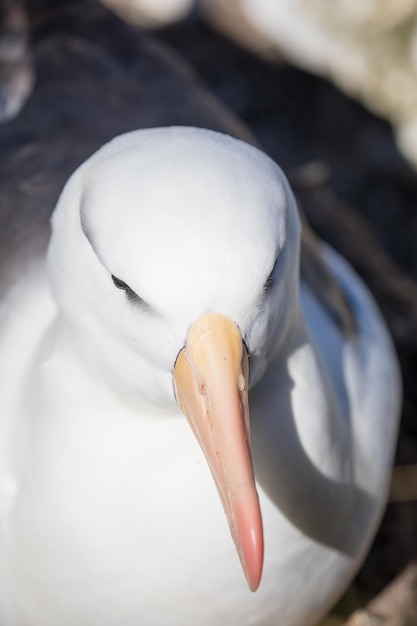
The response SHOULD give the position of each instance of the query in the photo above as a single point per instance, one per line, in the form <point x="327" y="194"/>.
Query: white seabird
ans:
<point x="174" y="255"/>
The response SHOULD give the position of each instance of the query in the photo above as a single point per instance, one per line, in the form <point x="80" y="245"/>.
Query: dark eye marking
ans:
<point x="270" y="280"/>
<point x="120" y="284"/>
<point x="268" y="283"/>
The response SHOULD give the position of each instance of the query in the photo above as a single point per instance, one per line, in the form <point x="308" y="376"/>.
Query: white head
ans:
<point x="192" y="221"/>
<point x="156" y="230"/>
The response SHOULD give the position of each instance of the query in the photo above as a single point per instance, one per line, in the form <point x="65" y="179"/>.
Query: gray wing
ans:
<point x="316" y="273"/>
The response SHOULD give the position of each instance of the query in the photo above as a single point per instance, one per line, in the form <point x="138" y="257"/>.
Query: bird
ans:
<point x="169" y="371"/>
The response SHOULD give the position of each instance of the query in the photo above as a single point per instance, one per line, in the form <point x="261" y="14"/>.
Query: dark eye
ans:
<point x="268" y="283"/>
<point x="270" y="280"/>
<point x="120" y="284"/>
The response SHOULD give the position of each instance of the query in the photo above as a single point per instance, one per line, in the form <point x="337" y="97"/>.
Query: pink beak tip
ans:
<point x="250" y="547"/>
<point x="253" y="572"/>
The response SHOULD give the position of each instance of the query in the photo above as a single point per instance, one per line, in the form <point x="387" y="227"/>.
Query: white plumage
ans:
<point x="109" y="512"/>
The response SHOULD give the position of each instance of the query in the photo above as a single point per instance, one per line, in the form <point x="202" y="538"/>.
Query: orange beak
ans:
<point x="211" y="381"/>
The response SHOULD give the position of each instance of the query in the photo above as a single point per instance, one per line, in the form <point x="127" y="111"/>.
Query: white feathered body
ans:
<point x="110" y="516"/>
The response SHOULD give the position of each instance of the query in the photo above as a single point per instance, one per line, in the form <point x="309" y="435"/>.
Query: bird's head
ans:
<point x="174" y="262"/>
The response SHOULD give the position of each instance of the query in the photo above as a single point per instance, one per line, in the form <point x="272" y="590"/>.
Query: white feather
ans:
<point x="109" y="514"/>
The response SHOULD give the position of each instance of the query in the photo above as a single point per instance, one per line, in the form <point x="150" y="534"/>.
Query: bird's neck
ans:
<point x="302" y="441"/>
